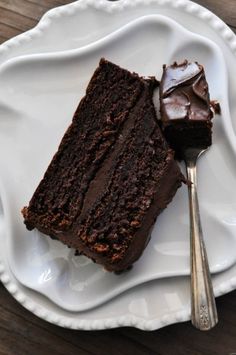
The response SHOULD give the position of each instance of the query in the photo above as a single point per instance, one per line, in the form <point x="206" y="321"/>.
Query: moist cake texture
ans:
<point x="186" y="110"/>
<point x="112" y="175"/>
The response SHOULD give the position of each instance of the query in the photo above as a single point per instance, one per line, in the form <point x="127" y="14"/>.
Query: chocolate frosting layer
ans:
<point x="184" y="93"/>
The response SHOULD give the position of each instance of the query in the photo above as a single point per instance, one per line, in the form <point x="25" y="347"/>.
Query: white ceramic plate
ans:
<point x="39" y="94"/>
<point x="101" y="14"/>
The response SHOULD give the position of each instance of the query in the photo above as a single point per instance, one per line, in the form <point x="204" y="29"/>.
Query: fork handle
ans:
<point x="203" y="306"/>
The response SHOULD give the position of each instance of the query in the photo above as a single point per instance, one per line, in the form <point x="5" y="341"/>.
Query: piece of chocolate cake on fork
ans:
<point x="186" y="110"/>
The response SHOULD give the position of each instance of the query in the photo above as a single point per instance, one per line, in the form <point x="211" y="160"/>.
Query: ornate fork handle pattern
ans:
<point x="204" y="316"/>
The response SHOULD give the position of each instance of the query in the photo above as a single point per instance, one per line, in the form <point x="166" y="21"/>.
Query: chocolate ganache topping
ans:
<point x="184" y="93"/>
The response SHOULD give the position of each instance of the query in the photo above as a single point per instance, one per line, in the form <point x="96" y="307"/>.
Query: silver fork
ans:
<point x="203" y="307"/>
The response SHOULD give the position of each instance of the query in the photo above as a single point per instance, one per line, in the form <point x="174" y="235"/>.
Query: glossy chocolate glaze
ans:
<point x="184" y="93"/>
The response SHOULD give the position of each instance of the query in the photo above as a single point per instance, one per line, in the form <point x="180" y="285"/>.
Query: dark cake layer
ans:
<point x="112" y="175"/>
<point x="186" y="111"/>
<point x="110" y="95"/>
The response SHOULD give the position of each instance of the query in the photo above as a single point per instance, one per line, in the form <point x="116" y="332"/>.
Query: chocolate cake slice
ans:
<point x="186" y="110"/>
<point x="112" y="175"/>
